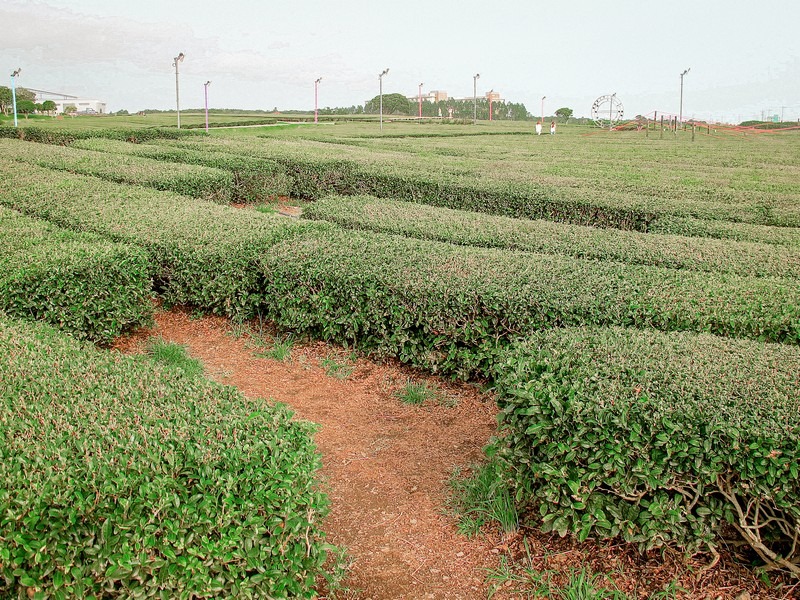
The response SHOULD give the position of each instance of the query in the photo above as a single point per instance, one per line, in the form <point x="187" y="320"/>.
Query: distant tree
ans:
<point x="25" y="107"/>
<point x="70" y="109"/>
<point x="25" y="94"/>
<point x="5" y="99"/>
<point x="564" y="113"/>
<point x="393" y="104"/>
<point x="49" y="106"/>
<point x="121" y="111"/>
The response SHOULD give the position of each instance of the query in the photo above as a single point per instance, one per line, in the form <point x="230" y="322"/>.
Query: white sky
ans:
<point x="744" y="56"/>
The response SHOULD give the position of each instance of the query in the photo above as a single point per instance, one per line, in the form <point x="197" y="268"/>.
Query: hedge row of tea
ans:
<point x="468" y="228"/>
<point x="316" y="176"/>
<point x="123" y="479"/>
<point x="449" y="308"/>
<point x="488" y="185"/>
<point x="202" y="253"/>
<point x="192" y="180"/>
<point x="64" y="137"/>
<point x="254" y="179"/>
<point x="655" y="438"/>
<point x="81" y="283"/>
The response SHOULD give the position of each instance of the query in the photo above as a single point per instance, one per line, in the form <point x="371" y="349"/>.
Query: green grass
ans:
<point x="281" y="349"/>
<point x="336" y="367"/>
<point x="174" y="356"/>
<point x="416" y="392"/>
<point x="482" y="498"/>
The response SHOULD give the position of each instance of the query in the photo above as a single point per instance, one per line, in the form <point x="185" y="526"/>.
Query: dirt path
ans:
<point x="385" y="463"/>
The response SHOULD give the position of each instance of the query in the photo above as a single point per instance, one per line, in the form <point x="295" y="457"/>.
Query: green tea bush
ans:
<point x="254" y="179"/>
<point x="468" y="228"/>
<point x="202" y="253"/>
<point x="191" y="180"/>
<point x="65" y="137"/>
<point x="656" y="438"/>
<point x="743" y="232"/>
<point x="79" y="282"/>
<point x="125" y="480"/>
<point x="590" y="181"/>
<point x="447" y="308"/>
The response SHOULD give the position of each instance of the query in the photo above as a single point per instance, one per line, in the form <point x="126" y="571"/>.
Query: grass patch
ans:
<point x="481" y="499"/>
<point x="281" y="349"/>
<point x="174" y="356"/>
<point x="337" y="368"/>
<point x="416" y="392"/>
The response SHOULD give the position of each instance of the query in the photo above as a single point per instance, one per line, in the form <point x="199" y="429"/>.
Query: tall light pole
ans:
<point x="610" y="111"/>
<point x="420" y="101"/>
<point x="380" y="80"/>
<point x="475" y="98"/>
<point x="543" y="97"/>
<point x="178" y="59"/>
<point x="680" y="112"/>
<point x="14" y="76"/>
<point x="205" y="91"/>
<point x="316" y="98"/>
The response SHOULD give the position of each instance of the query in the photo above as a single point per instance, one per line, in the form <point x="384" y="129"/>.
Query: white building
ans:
<point x="62" y="101"/>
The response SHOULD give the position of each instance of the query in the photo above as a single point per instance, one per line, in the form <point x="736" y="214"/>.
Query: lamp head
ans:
<point x="318" y="79"/>
<point x="207" y="83"/>
<point x="477" y="75"/>
<point x="16" y="73"/>
<point x="179" y="58"/>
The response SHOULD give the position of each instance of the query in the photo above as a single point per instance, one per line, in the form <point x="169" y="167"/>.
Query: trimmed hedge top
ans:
<point x="123" y="479"/>
<point x="79" y="282"/>
<point x="203" y="253"/>
<point x="192" y="180"/>
<point x="467" y="228"/>
<point x="655" y="437"/>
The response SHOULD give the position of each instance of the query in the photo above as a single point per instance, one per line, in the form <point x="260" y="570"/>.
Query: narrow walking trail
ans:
<point x="385" y="463"/>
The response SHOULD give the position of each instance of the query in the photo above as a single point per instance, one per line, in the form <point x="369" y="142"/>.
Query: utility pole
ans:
<point x="316" y="98"/>
<point x="420" y="102"/>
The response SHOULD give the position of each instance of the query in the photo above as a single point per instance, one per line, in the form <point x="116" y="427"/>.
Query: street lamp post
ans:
<point x="611" y="111"/>
<point x="420" y="102"/>
<point x="14" y="76"/>
<point x="475" y="97"/>
<point x="380" y="80"/>
<point x="543" y="97"/>
<point x="316" y="99"/>
<point x="680" y="111"/>
<point x="205" y="93"/>
<point x="178" y="59"/>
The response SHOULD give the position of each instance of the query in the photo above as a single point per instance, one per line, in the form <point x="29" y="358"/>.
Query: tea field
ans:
<point x="633" y="298"/>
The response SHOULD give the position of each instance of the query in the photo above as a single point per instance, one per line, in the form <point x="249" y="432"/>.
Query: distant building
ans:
<point x="432" y="96"/>
<point x="62" y="101"/>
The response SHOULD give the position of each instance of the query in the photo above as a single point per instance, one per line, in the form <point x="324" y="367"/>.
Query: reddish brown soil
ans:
<point x="386" y="466"/>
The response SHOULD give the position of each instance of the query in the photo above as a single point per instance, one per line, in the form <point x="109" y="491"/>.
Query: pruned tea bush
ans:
<point x="656" y="438"/>
<point x="125" y="480"/>
<point x="191" y="180"/>
<point x="449" y="308"/>
<point x="203" y="254"/>
<point x="474" y="229"/>
<point x="79" y="282"/>
<point x="254" y="179"/>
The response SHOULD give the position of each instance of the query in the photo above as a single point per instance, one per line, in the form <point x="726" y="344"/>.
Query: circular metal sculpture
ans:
<point x="607" y="111"/>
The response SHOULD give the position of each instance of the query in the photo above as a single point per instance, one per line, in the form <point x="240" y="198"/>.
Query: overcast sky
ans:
<point x="744" y="56"/>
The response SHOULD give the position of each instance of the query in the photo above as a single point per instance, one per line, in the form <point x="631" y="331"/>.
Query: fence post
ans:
<point x="692" y="131"/>
<point x="662" y="127"/>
